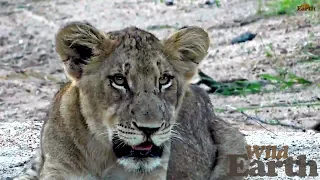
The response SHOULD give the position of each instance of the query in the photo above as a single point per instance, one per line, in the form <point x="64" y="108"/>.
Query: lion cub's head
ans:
<point x="131" y="85"/>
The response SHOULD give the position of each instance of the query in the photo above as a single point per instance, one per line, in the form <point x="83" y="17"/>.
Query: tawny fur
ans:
<point x="85" y="113"/>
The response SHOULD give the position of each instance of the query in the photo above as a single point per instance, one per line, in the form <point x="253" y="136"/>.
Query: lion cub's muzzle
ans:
<point x="140" y="142"/>
<point x="144" y="150"/>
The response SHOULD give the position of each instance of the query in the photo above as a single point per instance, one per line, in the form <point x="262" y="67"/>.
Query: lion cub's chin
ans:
<point x="140" y="165"/>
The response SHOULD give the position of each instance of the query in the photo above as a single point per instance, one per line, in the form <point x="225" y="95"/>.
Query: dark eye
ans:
<point x="118" y="79"/>
<point x="165" y="81"/>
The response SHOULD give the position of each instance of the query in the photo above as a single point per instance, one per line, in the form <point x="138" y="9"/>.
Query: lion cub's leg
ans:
<point x="55" y="169"/>
<point x="52" y="171"/>
<point x="229" y="141"/>
<point x="117" y="173"/>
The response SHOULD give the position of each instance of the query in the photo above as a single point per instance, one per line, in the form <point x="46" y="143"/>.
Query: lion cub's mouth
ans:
<point x="146" y="146"/>
<point x="143" y="150"/>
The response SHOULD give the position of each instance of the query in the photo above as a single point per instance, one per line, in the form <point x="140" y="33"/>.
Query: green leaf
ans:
<point x="271" y="78"/>
<point x="273" y="121"/>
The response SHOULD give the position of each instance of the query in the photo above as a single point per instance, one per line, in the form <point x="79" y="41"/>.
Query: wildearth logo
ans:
<point x="276" y="158"/>
<point x="306" y="7"/>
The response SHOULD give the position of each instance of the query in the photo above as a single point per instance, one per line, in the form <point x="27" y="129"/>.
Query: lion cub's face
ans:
<point x="131" y="85"/>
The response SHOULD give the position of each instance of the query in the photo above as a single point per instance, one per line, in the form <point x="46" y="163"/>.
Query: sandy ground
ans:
<point x="30" y="72"/>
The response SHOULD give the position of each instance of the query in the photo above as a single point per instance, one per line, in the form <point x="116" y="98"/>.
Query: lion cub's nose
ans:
<point x="148" y="131"/>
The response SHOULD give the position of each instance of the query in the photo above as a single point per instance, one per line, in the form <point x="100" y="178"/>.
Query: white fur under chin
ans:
<point x="146" y="165"/>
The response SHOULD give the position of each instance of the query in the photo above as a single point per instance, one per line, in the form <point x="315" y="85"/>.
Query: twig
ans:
<point x="20" y="164"/>
<point x="260" y="121"/>
<point x="293" y="104"/>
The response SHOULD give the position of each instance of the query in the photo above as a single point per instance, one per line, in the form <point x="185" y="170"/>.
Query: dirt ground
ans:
<point x="30" y="71"/>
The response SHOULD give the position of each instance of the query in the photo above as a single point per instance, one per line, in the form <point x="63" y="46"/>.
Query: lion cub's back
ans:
<point x="193" y="152"/>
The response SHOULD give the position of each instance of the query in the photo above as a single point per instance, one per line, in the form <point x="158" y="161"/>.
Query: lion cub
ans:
<point x="129" y="111"/>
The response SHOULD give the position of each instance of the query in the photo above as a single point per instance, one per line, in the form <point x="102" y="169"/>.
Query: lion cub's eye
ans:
<point x="165" y="81"/>
<point x="119" y="80"/>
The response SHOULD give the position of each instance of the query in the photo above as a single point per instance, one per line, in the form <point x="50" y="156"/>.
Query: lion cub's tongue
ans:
<point x="143" y="147"/>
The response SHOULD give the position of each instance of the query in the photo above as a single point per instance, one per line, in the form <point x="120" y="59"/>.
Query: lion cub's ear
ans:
<point x="78" y="43"/>
<point x="187" y="48"/>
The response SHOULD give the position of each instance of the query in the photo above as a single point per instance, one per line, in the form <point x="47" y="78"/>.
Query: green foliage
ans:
<point x="268" y="50"/>
<point x="259" y="11"/>
<point x="238" y="87"/>
<point x="284" y="80"/>
<point x="280" y="7"/>
<point x="307" y="50"/>
<point x="218" y="3"/>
